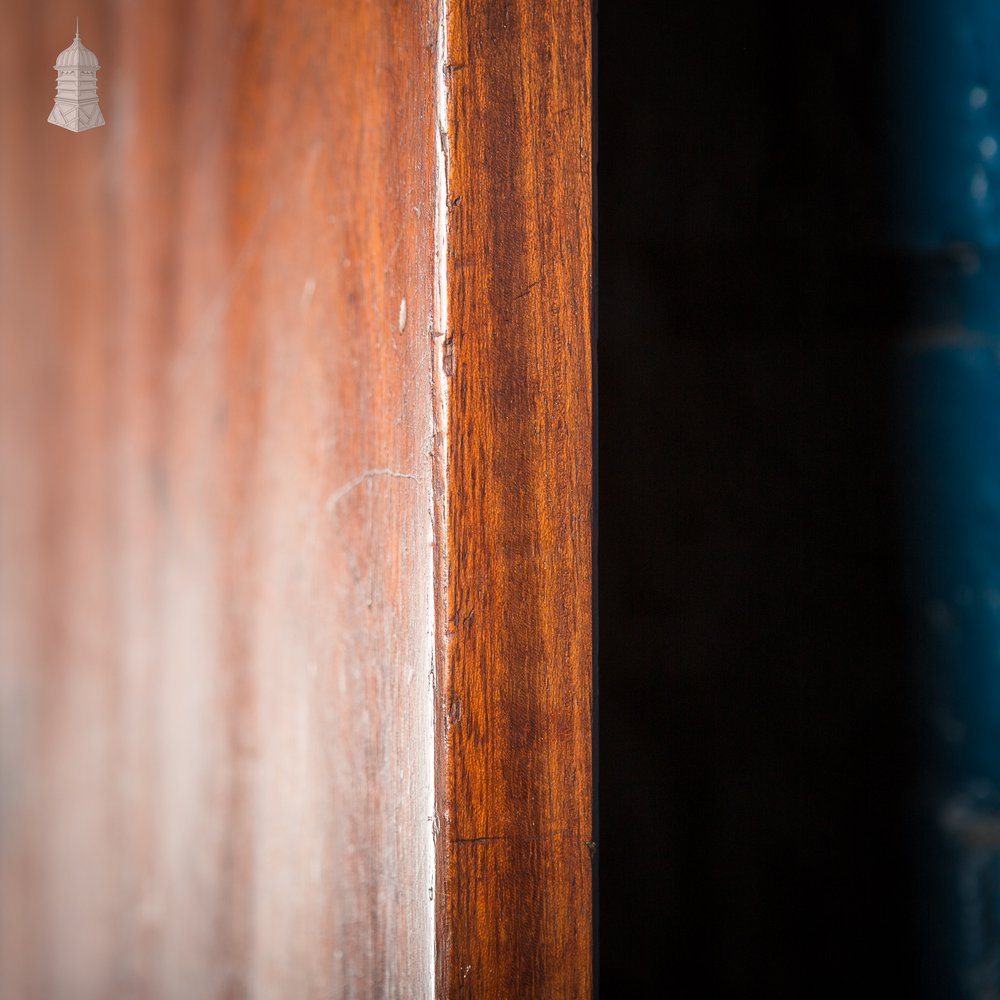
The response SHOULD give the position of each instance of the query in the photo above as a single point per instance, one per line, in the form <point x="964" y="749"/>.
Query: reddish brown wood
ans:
<point x="295" y="502"/>
<point x="514" y="711"/>
<point x="215" y="430"/>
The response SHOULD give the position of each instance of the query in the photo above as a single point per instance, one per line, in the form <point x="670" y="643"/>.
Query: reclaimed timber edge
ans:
<point x="513" y="504"/>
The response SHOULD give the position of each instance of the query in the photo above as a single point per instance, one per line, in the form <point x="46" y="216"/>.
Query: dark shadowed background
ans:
<point x="755" y="748"/>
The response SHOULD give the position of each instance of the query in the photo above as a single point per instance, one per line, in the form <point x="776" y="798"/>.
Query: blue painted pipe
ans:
<point x="944" y="187"/>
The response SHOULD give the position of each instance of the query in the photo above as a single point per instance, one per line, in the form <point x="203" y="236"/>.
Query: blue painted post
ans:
<point x="944" y="182"/>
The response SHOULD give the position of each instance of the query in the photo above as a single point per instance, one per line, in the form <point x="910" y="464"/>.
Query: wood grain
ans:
<point x="295" y="502"/>
<point x="514" y="709"/>
<point x="216" y="575"/>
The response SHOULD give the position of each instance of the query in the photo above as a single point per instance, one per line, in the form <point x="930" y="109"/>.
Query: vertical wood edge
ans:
<point x="513" y="504"/>
<point x="441" y="495"/>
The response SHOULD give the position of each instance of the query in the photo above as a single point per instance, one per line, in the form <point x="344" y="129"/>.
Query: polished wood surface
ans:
<point x="295" y="502"/>
<point x="216" y="569"/>
<point x="514" y="752"/>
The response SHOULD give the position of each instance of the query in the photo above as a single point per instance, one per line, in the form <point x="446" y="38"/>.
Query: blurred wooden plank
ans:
<point x="215" y="500"/>
<point x="514" y="373"/>
<point x="295" y="424"/>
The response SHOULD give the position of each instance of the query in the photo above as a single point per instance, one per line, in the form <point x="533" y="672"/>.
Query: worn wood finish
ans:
<point x="295" y="513"/>
<point x="514" y="363"/>
<point x="216" y="574"/>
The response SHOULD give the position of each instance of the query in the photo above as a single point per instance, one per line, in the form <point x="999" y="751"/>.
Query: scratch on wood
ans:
<point x="337" y="495"/>
<point x="521" y="295"/>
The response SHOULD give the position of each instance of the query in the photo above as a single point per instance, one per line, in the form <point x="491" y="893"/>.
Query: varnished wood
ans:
<point x="295" y="522"/>
<point x="215" y="434"/>
<point x="514" y="709"/>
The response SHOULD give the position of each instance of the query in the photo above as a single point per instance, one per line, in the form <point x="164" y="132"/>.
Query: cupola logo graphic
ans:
<point x="76" y="106"/>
